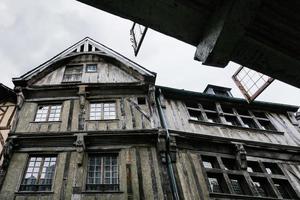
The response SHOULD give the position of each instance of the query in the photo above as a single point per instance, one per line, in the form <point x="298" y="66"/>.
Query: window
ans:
<point x="229" y="164"/>
<point x="236" y="186"/>
<point x="285" y="189"/>
<point x="48" y="113"/>
<point x="102" y="110"/>
<point x="91" y="68"/>
<point x="214" y="112"/>
<point x="238" y="182"/>
<point x="206" y="111"/>
<point x="272" y="168"/>
<point x="39" y="173"/>
<point x="141" y="100"/>
<point x="217" y="183"/>
<point x="253" y="167"/>
<point x="73" y="73"/>
<point x="263" y="187"/>
<point x="102" y="173"/>
<point x="210" y="162"/>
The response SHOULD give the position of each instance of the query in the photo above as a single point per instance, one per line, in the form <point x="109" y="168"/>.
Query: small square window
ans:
<point x="249" y="122"/>
<point x="262" y="187"/>
<point x="285" y="189"/>
<point x="253" y="167"/>
<point x="214" y="184"/>
<point x="91" y="68"/>
<point x="239" y="185"/>
<point x="260" y="114"/>
<point x="195" y="115"/>
<point x="229" y="164"/>
<point x="227" y="109"/>
<point x="210" y="162"/>
<point x="217" y="183"/>
<point x="232" y="120"/>
<point x="243" y="112"/>
<point x="209" y="106"/>
<point x="213" y="117"/>
<point x="267" y="125"/>
<point x="141" y="100"/>
<point x="273" y="168"/>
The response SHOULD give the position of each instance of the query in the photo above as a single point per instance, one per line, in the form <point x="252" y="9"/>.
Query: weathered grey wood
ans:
<point x="106" y="73"/>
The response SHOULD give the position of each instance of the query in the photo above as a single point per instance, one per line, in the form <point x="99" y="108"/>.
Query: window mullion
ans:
<point x="102" y="170"/>
<point x="286" y="176"/>
<point x="238" y="117"/>
<point x="40" y="171"/>
<point x="220" y="113"/>
<point x="255" y="120"/>
<point x="102" y="110"/>
<point x="203" y="112"/>
<point x="228" y="182"/>
<point x="48" y="113"/>
<point x="248" y="179"/>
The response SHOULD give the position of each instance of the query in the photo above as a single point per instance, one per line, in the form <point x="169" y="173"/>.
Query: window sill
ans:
<point x="236" y="127"/>
<point x="101" y="120"/>
<point x="63" y="82"/>
<point x="46" y="122"/>
<point x="237" y="196"/>
<point x="102" y="192"/>
<point x="34" y="192"/>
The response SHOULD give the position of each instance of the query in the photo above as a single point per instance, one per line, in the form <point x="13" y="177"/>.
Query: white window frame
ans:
<point x="103" y="110"/>
<point x="50" y="114"/>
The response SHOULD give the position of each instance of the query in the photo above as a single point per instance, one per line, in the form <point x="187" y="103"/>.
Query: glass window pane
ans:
<point x="214" y="185"/>
<point x="236" y="186"/>
<point x="102" y="170"/>
<point x="37" y="175"/>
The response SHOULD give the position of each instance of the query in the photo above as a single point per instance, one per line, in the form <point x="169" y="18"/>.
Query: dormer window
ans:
<point x="73" y="73"/>
<point x="218" y="90"/>
<point x="91" y="68"/>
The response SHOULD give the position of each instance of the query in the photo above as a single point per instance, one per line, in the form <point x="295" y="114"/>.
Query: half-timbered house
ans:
<point x="7" y="109"/>
<point x="92" y="124"/>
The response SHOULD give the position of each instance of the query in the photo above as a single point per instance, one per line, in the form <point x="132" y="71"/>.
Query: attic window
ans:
<point x="90" y="47"/>
<point x="91" y="68"/>
<point x="207" y="112"/>
<point x="73" y="73"/>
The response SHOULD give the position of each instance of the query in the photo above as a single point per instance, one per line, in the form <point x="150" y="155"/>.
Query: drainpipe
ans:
<point x="168" y="157"/>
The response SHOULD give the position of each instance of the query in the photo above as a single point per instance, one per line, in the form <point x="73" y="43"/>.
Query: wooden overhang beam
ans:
<point x="226" y="39"/>
<point x="224" y="30"/>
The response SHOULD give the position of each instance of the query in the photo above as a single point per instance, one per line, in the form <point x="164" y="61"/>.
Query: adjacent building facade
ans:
<point x="92" y="124"/>
<point x="8" y="102"/>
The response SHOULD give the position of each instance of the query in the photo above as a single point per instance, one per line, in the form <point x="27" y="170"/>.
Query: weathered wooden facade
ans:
<point x="93" y="125"/>
<point x="7" y="110"/>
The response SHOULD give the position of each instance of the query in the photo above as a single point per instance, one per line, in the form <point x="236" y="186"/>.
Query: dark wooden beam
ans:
<point x="224" y="30"/>
<point x="260" y="57"/>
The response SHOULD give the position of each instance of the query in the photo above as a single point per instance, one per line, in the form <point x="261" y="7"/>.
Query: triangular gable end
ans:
<point x="87" y="45"/>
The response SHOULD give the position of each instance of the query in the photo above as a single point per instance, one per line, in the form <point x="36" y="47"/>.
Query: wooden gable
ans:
<point x="107" y="71"/>
<point x="112" y="67"/>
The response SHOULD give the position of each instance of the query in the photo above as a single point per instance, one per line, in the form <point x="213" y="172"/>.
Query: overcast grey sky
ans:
<point x="33" y="31"/>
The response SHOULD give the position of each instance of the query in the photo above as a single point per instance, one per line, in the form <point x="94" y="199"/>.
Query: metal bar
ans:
<point x="169" y="163"/>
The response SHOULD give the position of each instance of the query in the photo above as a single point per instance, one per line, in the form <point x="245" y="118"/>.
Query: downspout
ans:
<point x="168" y="157"/>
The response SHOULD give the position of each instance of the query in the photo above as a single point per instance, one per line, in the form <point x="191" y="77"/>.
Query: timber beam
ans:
<point x="225" y="29"/>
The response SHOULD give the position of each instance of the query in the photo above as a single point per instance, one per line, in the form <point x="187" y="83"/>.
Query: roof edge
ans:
<point x="268" y="105"/>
